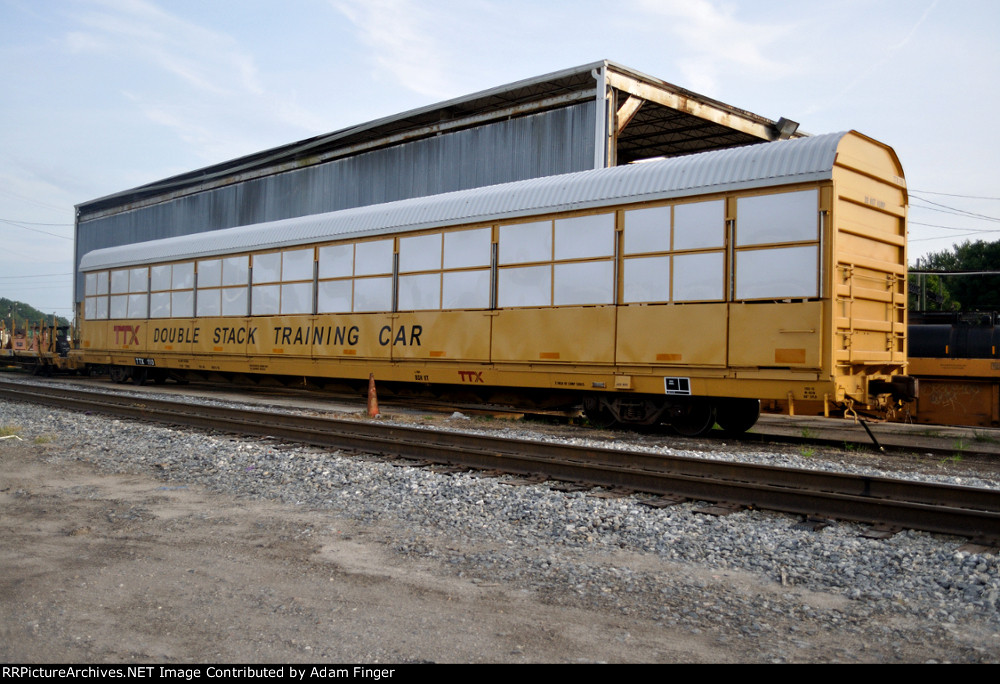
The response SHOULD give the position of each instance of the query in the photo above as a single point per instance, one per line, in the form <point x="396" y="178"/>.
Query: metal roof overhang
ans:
<point x="643" y="117"/>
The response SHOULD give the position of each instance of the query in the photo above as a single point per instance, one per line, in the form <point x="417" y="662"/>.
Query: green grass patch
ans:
<point x="9" y="430"/>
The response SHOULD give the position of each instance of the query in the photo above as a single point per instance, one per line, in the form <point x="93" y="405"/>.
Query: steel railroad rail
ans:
<point x="948" y="509"/>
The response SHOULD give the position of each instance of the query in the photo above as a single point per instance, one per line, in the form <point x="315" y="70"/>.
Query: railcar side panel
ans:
<point x="441" y="335"/>
<point x="784" y="335"/>
<point x="175" y="335"/>
<point x="672" y="335"/>
<point x="368" y="336"/>
<point x="218" y="336"/>
<point x="580" y="335"/>
<point x="94" y="336"/>
<point x="127" y="334"/>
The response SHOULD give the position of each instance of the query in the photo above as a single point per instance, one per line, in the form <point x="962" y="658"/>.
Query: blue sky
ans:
<point x="100" y="96"/>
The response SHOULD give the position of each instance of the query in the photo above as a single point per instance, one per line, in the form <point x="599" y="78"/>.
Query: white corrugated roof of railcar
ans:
<point x="763" y="165"/>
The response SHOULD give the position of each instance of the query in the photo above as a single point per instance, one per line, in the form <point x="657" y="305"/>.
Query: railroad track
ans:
<point x="885" y="502"/>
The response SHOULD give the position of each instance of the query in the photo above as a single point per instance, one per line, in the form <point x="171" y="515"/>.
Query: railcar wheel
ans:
<point x="598" y="415"/>
<point x="140" y="376"/>
<point x="695" y="419"/>
<point x="736" y="416"/>
<point x="119" y="374"/>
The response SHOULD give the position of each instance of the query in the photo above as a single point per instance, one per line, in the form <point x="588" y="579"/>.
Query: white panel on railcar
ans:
<point x="296" y="298"/>
<point x="236" y="271"/>
<point x="466" y="289"/>
<point x="336" y="261"/>
<point x="467" y="248"/>
<point x="182" y="276"/>
<point x="335" y="296"/>
<point x="209" y="274"/>
<point x="525" y="242"/>
<point x="700" y="225"/>
<point x="138" y="305"/>
<point x="420" y="253"/>
<point x="525" y="286"/>
<point x="647" y="279"/>
<point x="160" y="278"/>
<point x="138" y="279"/>
<point x="159" y="305"/>
<point x="584" y="237"/>
<point x="586" y="282"/>
<point x="267" y="268"/>
<point x="647" y="230"/>
<point x="699" y="277"/>
<point x="372" y="294"/>
<point x="297" y="264"/>
<point x="783" y="273"/>
<point x="373" y="258"/>
<point x="209" y="302"/>
<point x="119" y="306"/>
<point x="182" y="304"/>
<point x="119" y="281"/>
<point x="420" y="292"/>
<point x="265" y="300"/>
<point x="783" y="217"/>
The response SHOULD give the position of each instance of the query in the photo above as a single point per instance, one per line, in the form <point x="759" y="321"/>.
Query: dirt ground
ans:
<point x="98" y="568"/>
<point x="118" y="569"/>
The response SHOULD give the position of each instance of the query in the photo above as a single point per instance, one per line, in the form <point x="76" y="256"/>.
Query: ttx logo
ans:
<point x="126" y="334"/>
<point x="471" y="376"/>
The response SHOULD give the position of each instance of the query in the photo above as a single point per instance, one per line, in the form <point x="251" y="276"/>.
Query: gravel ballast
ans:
<point x="753" y="577"/>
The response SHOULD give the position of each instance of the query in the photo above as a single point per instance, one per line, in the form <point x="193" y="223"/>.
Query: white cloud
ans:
<point x="200" y="84"/>
<point x="403" y="35"/>
<point x="137" y="30"/>
<point x="716" y="40"/>
<point x="875" y="65"/>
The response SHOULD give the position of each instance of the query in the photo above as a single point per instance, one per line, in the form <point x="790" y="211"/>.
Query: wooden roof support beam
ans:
<point x="627" y="111"/>
<point x="704" y="109"/>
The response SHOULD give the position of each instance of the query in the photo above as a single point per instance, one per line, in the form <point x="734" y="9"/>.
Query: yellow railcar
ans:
<point x="682" y="290"/>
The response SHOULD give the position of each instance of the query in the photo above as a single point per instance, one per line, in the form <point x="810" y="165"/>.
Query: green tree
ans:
<point x="13" y="312"/>
<point x="957" y="290"/>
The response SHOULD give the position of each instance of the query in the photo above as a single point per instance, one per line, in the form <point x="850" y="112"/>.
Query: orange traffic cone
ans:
<point x="372" y="397"/>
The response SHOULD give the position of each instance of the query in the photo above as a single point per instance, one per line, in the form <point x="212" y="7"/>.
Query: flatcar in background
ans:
<point x="678" y="291"/>
<point x="41" y="348"/>
<point x="955" y="357"/>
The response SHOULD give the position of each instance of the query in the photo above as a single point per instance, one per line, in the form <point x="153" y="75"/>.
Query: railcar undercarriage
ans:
<point x="688" y="416"/>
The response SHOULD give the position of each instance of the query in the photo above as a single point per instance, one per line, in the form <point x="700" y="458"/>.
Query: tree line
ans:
<point x="964" y="278"/>
<point x="16" y="313"/>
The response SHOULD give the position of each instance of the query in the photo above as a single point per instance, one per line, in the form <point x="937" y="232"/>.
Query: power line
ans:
<point x="948" y="194"/>
<point x="32" y="223"/>
<point x="34" y="275"/>
<point x="914" y="271"/>
<point x="943" y="237"/>
<point x="31" y="201"/>
<point x="36" y="230"/>
<point x="953" y="210"/>
<point x="975" y="230"/>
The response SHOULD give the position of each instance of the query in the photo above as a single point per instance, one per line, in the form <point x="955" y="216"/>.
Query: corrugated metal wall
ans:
<point x="554" y="142"/>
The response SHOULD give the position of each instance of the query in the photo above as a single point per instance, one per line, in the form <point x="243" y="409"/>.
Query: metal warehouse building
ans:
<point x="589" y="117"/>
